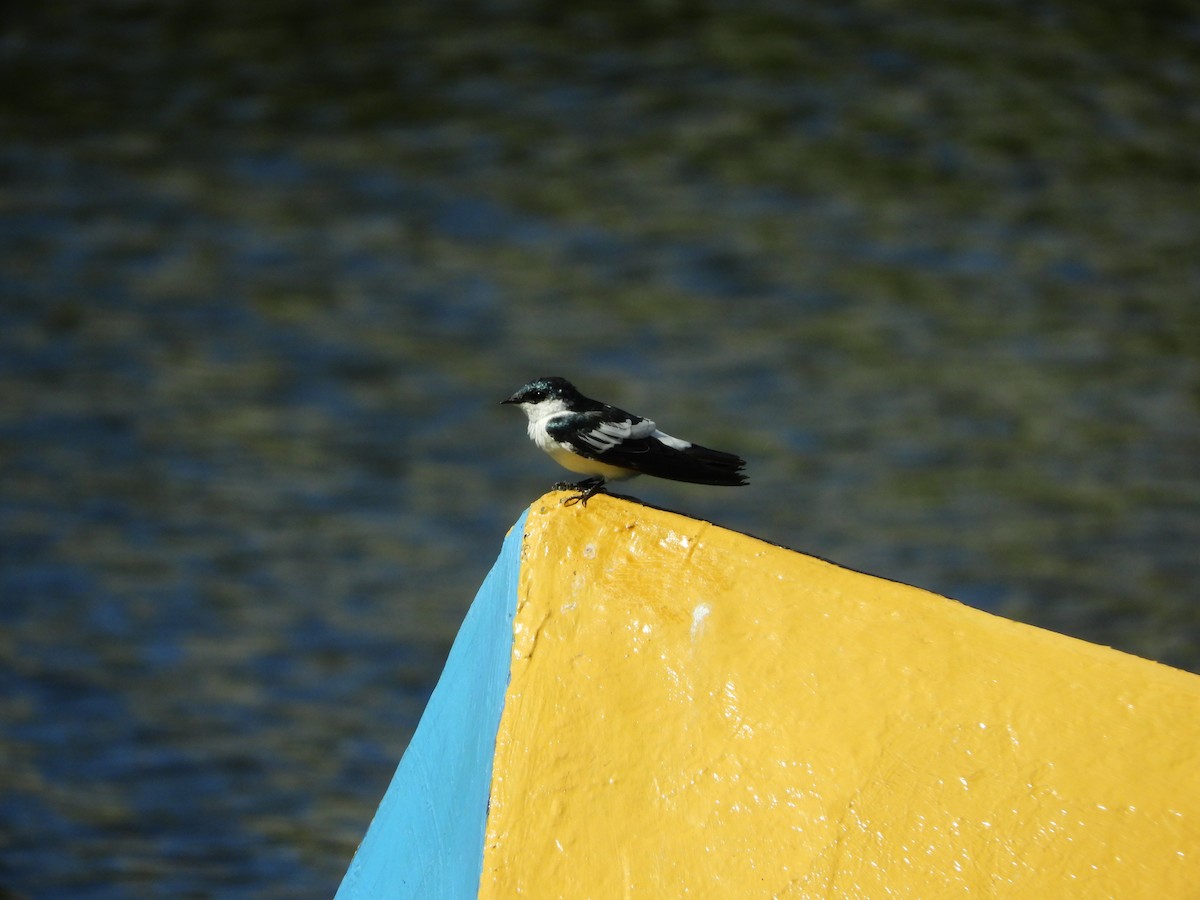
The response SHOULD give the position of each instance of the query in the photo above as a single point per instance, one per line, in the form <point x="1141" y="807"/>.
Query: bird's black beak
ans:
<point x="512" y="399"/>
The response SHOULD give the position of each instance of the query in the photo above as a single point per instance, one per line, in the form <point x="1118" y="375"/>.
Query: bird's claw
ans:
<point x="588" y="488"/>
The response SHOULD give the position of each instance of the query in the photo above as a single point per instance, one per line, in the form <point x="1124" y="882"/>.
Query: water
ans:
<point x="266" y="271"/>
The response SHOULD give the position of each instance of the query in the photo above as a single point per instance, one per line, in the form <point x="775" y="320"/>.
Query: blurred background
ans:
<point x="267" y="269"/>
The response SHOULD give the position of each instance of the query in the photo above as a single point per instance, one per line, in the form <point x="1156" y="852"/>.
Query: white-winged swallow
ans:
<point x="609" y="444"/>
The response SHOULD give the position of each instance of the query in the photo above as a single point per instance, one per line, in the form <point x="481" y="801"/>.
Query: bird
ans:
<point x="607" y="444"/>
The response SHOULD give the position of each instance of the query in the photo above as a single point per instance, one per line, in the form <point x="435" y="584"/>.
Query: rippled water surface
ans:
<point x="266" y="270"/>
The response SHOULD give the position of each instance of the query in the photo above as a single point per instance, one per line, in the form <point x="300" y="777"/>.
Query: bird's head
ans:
<point x="545" y="396"/>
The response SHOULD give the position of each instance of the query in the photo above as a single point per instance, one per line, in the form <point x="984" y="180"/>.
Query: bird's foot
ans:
<point x="588" y="488"/>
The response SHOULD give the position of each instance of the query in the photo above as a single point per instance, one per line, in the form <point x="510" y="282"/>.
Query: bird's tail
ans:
<point x="714" y="466"/>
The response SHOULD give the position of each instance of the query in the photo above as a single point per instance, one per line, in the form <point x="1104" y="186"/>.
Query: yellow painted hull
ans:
<point x="695" y="713"/>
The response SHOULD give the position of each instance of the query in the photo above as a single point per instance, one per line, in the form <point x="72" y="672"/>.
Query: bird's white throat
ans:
<point x="538" y="413"/>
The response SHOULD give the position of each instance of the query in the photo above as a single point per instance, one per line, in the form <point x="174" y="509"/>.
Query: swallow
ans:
<point x="607" y="444"/>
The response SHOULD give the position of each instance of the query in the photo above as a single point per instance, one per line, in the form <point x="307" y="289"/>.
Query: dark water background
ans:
<point x="267" y="268"/>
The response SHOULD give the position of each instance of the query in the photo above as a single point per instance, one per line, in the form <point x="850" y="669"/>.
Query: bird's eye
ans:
<point x="537" y="396"/>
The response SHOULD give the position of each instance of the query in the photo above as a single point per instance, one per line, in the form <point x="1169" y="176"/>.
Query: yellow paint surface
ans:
<point x="695" y="713"/>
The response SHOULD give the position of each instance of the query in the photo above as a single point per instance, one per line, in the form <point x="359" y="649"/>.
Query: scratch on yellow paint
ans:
<point x="694" y="713"/>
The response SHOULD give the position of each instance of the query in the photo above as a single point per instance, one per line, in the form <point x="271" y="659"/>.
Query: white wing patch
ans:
<point x="673" y="442"/>
<point x="608" y="434"/>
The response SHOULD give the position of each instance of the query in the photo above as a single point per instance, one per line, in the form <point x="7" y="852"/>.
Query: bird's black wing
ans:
<point x="618" y="438"/>
<point x="605" y="434"/>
